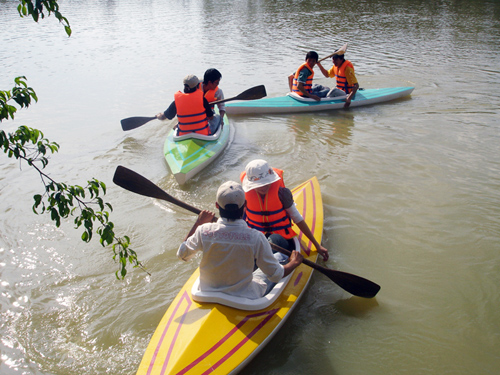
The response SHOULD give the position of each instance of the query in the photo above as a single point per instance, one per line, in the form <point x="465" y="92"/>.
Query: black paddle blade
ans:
<point x="253" y="93"/>
<point x="353" y="284"/>
<point x="134" y="122"/>
<point x="134" y="182"/>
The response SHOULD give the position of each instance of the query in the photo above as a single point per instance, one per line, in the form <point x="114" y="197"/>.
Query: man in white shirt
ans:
<point x="231" y="249"/>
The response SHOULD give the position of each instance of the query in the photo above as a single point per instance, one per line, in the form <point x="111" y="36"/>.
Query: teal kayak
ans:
<point x="187" y="157"/>
<point x="292" y="103"/>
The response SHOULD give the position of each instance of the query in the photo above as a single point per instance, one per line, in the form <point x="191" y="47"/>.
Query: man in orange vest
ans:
<point x="270" y="208"/>
<point x="301" y="82"/>
<point x="343" y="71"/>
<point x="213" y="92"/>
<point x="192" y="109"/>
<point x="231" y="249"/>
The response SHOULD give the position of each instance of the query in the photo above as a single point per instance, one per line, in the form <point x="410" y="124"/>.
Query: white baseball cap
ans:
<point x="230" y="192"/>
<point x="258" y="173"/>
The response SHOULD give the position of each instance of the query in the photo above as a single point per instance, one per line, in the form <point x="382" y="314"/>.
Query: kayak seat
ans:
<point x="203" y="137"/>
<point x="309" y="100"/>
<point x="239" y="302"/>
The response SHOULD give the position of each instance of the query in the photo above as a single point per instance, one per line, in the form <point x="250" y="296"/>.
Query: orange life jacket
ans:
<point x="309" y="81"/>
<point x="267" y="214"/>
<point x="342" y="83"/>
<point x="210" y="96"/>
<point x="191" y="113"/>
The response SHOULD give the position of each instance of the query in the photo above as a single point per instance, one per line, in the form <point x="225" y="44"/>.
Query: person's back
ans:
<point x="230" y="250"/>
<point x="191" y="108"/>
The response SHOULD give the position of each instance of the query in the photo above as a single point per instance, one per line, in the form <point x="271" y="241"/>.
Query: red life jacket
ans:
<point x="309" y="82"/>
<point x="342" y="83"/>
<point x="191" y="113"/>
<point x="267" y="214"/>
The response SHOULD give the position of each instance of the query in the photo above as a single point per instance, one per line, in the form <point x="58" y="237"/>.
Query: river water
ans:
<point x="411" y="188"/>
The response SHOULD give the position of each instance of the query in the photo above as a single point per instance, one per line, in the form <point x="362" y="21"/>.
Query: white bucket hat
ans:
<point x="258" y="173"/>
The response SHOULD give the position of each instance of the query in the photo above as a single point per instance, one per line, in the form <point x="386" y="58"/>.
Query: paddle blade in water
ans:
<point x="355" y="285"/>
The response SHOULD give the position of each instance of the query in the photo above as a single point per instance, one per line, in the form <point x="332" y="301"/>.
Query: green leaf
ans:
<point x="38" y="200"/>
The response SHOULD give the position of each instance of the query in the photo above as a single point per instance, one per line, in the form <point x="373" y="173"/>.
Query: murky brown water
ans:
<point x="410" y="188"/>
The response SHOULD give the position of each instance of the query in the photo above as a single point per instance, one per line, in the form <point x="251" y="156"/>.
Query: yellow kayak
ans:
<point x="211" y="338"/>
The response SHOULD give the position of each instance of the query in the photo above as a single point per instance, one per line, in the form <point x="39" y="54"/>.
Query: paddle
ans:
<point x="343" y="48"/>
<point x="253" y="93"/>
<point x="136" y="183"/>
<point x="324" y="58"/>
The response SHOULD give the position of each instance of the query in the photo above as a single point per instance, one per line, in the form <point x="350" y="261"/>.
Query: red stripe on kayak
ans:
<point x="313" y="226"/>
<point x="297" y="279"/>
<point x="185" y="296"/>
<point x="269" y="314"/>
<point x="307" y="250"/>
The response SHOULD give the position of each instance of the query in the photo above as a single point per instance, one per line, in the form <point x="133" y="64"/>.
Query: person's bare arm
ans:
<point x="304" y="228"/>
<point x="290" y="81"/>
<point x="323" y="70"/>
<point x="351" y="95"/>
<point x="295" y="260"/>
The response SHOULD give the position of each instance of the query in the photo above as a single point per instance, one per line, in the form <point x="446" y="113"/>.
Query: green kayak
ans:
<point x="188" y="155"/>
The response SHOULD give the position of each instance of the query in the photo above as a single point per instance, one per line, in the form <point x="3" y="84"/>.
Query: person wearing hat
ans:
<point x="230" y="249"/>
<point x="343" y="71"/>
<point x="301" y="82"/>
<point x="270" y="208"/>
<point x="213" y="92"/>
<point x="192" y="109"/>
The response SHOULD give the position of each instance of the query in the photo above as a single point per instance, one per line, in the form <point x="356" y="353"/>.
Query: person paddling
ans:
<point x="270" y="207"/>
<point x="301" y="82"/>
<point x="192" y="109"/>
